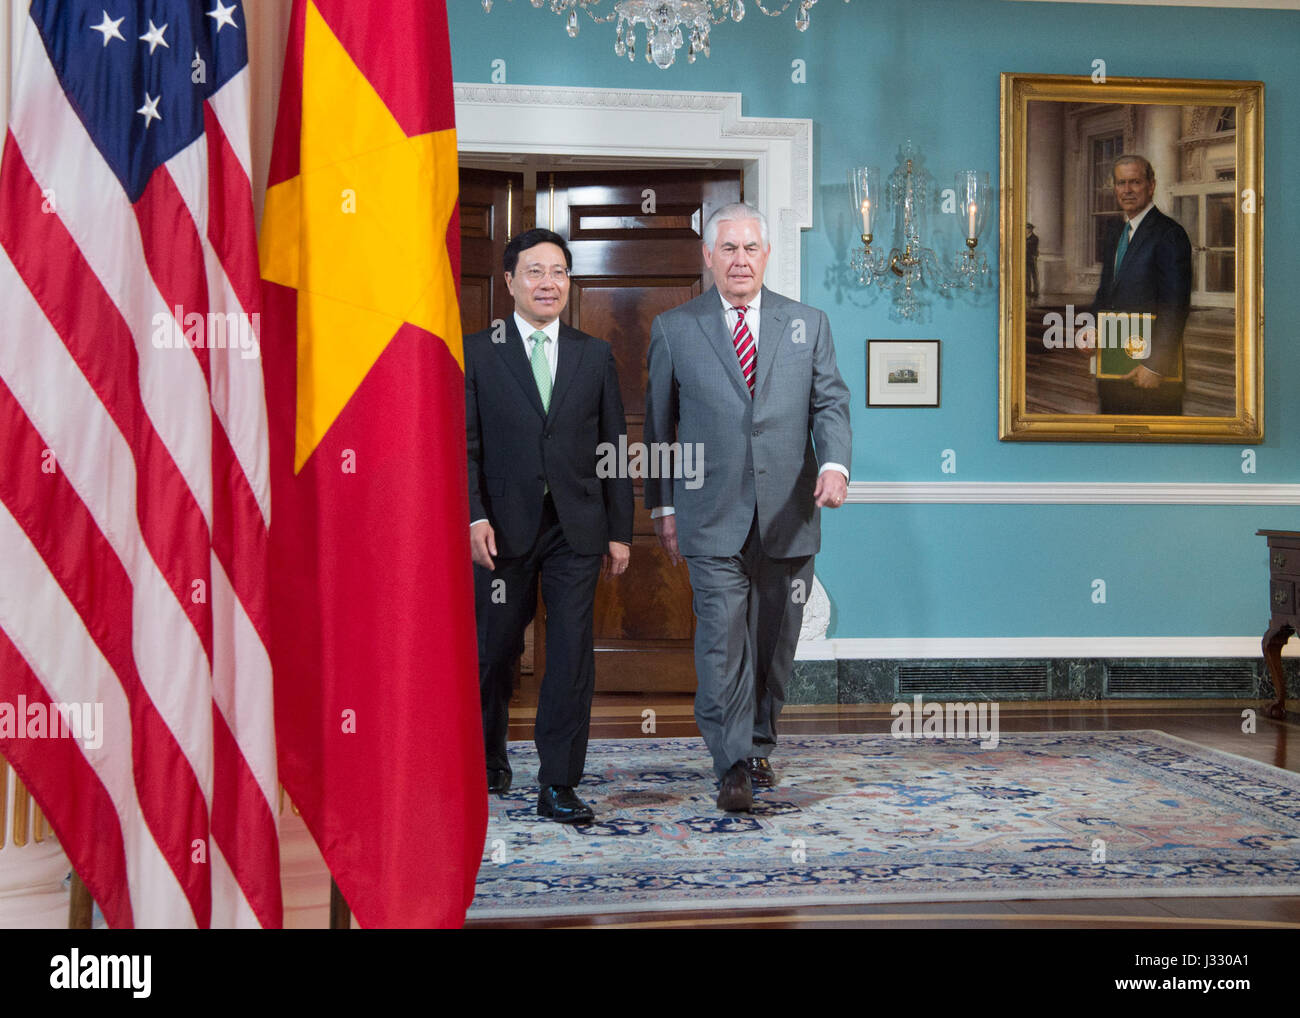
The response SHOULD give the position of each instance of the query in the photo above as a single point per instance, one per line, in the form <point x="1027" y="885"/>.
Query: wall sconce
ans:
<point x="915" y="266"/>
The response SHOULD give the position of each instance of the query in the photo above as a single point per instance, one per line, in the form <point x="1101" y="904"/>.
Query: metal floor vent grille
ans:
<point x="978" y="680"/>
<point x="1182" y="681"/>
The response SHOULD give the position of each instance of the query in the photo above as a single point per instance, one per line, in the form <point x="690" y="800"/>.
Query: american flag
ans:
<point x="134" y="499"/>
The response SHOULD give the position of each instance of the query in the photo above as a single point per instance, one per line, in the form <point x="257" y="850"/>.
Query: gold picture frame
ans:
<point x="1204" y="152"/>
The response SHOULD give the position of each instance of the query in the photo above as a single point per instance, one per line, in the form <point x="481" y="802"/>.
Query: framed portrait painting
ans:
<point x="1131" y="302"/>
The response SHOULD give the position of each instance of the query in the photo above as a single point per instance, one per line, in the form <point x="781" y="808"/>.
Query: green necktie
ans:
<point x="1122" y="246"/>
<point x="541" y="368"/>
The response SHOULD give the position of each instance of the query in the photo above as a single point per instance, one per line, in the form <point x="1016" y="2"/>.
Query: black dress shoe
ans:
<point x="760" y="772"/>
<point x="559" y="803"/>
<point x="498" y="781"/>
<point x="735" y="791"/>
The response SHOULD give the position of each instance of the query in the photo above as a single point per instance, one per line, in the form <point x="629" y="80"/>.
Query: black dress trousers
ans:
<point x="505" y="602"/>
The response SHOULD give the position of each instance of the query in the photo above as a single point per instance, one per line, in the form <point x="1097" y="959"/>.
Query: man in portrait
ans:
<point x="540" y="397"/>
<point x="1146" y="271"/>
<point x="750" y="376"/>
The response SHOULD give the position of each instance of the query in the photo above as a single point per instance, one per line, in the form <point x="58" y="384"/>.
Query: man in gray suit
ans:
<point x="748" y="378"/>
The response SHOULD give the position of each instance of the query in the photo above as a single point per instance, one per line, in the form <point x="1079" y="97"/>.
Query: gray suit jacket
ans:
<point x="760" y="453"/>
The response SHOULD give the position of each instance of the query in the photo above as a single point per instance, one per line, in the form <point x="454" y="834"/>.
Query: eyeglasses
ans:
<point x="535" y="273"/>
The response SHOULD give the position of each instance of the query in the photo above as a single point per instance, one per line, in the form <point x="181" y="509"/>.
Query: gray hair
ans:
<point x="1140" y="160"/>
<point x="731" y="213"/>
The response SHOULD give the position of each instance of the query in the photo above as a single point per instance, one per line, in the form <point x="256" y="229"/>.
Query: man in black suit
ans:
<point x="1146" y="269"/>
<point x="540" y="398"/>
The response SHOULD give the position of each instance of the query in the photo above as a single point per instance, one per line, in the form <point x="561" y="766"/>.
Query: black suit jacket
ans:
<point x="515" y="448"/>
<point x="1155" y="277"/>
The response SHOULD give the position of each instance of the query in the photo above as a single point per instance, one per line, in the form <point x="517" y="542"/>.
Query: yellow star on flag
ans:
<point x="360" y="232"/>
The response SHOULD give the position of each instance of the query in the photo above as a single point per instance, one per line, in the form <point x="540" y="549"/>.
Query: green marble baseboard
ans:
<point x="894" y="680"/>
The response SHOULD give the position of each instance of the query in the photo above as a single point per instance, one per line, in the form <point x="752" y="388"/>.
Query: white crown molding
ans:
<point x="1034" y="647"/>
<point x="1068" y="493"/>
<point x="776" y="153"/>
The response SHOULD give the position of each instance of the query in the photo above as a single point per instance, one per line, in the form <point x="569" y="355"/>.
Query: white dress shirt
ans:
<point x="1136" y="221"/>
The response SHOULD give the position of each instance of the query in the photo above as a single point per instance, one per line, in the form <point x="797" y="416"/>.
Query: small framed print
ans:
<point x="903" y="372"/>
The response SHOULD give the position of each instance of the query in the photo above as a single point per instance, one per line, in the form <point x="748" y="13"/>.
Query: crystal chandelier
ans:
<point x="914" y="266"/>
<point x="669" y="24"/>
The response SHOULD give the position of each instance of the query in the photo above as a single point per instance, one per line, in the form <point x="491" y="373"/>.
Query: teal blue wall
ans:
<point x="880" y="71"/>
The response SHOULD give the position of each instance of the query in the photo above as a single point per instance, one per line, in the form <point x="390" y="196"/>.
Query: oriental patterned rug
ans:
<point x="868" y="818"/>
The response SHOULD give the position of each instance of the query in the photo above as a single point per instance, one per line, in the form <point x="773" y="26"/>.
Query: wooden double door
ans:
<point x="636" y="238"/>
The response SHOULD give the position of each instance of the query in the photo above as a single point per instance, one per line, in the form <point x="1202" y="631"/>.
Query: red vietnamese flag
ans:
<point x="376" y="689"/>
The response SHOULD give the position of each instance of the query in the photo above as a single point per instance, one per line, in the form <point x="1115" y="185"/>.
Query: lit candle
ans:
<point x="971" y="232"/>
<point x="866" y="216"/>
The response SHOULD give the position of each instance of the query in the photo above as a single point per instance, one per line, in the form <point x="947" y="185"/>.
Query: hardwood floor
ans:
<point x="1216" y="724"/>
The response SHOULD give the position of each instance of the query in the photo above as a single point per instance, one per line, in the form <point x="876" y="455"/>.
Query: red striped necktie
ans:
<point x="743" y="340"/>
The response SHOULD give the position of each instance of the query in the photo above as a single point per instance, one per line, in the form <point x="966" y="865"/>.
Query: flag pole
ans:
<point x="340" y="914"/>
<point x="81" y="906"/>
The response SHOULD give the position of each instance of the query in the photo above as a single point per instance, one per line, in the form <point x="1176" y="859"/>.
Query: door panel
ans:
<point x="636" y="238"/>
<point x="620" y="313"/>
<point x="489" y="200"/>
<point x="489" y="213"/>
